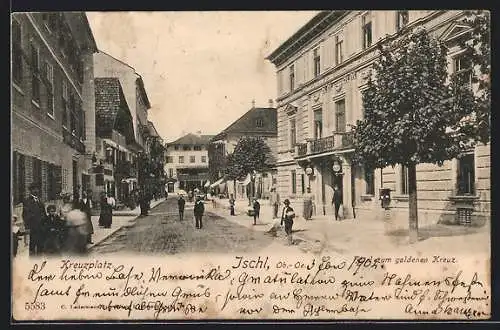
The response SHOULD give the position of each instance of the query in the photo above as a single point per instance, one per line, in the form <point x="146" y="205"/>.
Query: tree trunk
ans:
<point x="412" y="199"/>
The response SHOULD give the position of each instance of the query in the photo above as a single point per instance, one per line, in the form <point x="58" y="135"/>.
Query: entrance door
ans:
<point x="170" y="187"/>
<point x="337" y="180"/>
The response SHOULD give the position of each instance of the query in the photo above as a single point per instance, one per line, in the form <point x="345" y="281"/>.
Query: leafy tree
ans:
<point x="412" y="113"/>
<point x="250" y="154"/>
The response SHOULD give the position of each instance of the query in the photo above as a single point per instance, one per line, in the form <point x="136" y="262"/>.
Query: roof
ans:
<point x="152" y="129"/>
<point x="111" y="109"/>
<point x="192" y="139"/>
<point x="310" y="30"/>
<point x="80" y="28"/>
<point x="142" y="90"/>
<point x="247" y="123"/>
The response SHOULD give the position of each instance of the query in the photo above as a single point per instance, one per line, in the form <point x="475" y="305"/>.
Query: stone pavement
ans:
<point x="121" y="219"/>
<point x="367" y="235"/>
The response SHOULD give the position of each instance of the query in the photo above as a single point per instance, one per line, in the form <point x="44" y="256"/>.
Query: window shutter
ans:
<point x="57" y="180"/>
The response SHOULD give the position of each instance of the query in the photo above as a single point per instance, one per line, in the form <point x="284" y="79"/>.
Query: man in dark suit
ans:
<point x="86" y="207"/>
<point x="181" y="203"/>
<point x="33" y="217"/>
<point x="199" y="209"/>
<point x="337" y="201"/>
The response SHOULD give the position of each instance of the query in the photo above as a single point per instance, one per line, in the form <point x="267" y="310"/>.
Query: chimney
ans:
<point x="271" y="103"/>
<point x="253" y="104"/>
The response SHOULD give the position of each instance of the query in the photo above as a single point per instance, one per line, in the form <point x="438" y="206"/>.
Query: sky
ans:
<point x="201" y="70"/>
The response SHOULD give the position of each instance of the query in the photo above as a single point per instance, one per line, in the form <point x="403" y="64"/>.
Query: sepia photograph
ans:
<point x="197" y="165"/>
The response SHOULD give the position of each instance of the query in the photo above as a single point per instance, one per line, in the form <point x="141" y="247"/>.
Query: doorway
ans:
<point x="337" y="180"/>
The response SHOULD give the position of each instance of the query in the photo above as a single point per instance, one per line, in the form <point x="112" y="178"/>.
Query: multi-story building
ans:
<point x="256" y="122"/>
<point x="52" y="98"/>
<point x="186" y="162"/>
<point x="116" y="171"/>
<point x="322" y="70"/>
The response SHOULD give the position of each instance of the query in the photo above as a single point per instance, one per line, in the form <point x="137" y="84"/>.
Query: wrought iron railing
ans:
<point x="302" y="149"/>
<point x="322" y="145"/>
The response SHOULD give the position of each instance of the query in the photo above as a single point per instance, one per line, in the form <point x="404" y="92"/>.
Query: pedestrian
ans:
<point x="190" y="196"/>
<point x="256" y="210"/>
<point x="287" y="217"/>
<point x="106" y="213"/>
<point x="275" y="202"/>
<point x="199" y="209"/>
<point x="17" y="233"/>
<point x="76" y="197"/>
<point x="231" y="204"/>
<point x="54" y="231"/>
<point x="111" y="201"/>
<point x="86" y="207"/>
<point x="308" y="205"/>
<point x="180" y="203"/>
<point x="337" y="201"/>
<point x="34" y="216"/>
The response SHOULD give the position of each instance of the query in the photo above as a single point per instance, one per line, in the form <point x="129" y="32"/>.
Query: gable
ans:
<point x="454" y="32"/>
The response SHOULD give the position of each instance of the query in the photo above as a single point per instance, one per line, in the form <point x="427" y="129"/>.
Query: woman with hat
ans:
<point x="287" y="217"/>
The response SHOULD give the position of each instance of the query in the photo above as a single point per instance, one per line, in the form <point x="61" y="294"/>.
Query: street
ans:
<point x="161" y="232"/>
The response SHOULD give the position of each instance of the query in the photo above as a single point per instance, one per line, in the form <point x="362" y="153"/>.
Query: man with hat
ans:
<point x="287" y="217"/>
<point x="34" y="216"/>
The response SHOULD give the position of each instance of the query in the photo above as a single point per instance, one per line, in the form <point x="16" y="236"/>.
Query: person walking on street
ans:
<point x="106" y="214"/>
<point x="287" y="217"/>
<point x="275" y="202"/>
<point x="337" y="201"/>
<point x="199" y="209"/>
<point x="86" y="207"/>
<point x="308" y="205"/>
<point x="181" y="202"/>
<point x="34" y="216"/>
<point x="231" y="204"/>
<point x="256" y="210"/>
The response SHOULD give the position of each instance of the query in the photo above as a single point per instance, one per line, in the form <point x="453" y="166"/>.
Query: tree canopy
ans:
<point x="250" y="154"/>
<point x="412" y="111"/>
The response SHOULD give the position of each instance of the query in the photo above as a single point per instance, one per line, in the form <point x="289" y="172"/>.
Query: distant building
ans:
<point x="186" y="162"/>
<point x="256" y="122"/>
<point x="52" y="98"/>
<point x="322" y="70"/>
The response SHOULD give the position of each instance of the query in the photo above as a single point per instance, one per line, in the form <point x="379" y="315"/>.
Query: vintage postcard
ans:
<point x="305" y="165"/>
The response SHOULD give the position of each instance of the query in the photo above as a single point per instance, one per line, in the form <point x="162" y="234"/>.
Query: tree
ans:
<point x="412" y="113"/>
<point x="250" y="154"/>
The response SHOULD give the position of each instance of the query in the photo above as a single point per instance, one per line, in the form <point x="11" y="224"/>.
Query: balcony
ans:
<point x="73" y="141"/>
<point x="337" y="141"/>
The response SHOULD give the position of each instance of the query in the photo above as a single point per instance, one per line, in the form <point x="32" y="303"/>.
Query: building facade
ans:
<point x="52" y="96"/>
<point x="256" y="122"/>
<point x="322" y="70"/>
<point x="186" y="163"/>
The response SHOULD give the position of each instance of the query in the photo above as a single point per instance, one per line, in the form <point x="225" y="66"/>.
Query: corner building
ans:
<point x="322" y="70"/>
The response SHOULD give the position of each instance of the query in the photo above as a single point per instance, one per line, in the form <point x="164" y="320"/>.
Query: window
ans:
<point x="49" y="71"/>
<point x="35" y="74"/>
<point x="367" y="30"/>
<point x="181" y="159"/>
<point x="203" y="159"/>
<point x="340" y="124"/>
<point x="466" y="175"/>
<point x="303" y="183"/>
<point x="293" y="133"/>
<point x="259" y="122"/>
<point x="198" y="148"/>
<point x="339" y="51"/>
<point x="192" y="159"/>
<point x="170" y="172"/>
<point x="17" y="57"/>
<point x="317" y="62"/>
<point x="318" y="124"/>
<point x="186" y="148"/>
<point x="404" y="180"/>
<point x="402" y="19"/>
<point x="176" y="147"/>
<point x="64" y="101"/>
<point x="462" y="67"/>
<point x="19" y="177"/>
<point x="370" y="181"/>
<point x="292" y="77"/>
<point x="294" y="182"/>
<point x="169" y="159"/>
<point x="37" y="171"/>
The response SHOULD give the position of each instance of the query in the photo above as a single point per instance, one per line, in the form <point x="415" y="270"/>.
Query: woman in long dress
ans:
<point x="105" y="217"/>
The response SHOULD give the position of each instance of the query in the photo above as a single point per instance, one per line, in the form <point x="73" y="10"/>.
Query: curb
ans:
<point x="131" y="222"/>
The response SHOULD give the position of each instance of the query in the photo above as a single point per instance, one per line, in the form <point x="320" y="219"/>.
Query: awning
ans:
<point x="217" y="182"/>
<point x="207" y="184"/>
<point x="246" y="181"/>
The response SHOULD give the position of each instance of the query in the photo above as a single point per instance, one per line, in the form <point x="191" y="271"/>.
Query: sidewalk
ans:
<point x="124" y="218"/>
<point x="367" y="235"/>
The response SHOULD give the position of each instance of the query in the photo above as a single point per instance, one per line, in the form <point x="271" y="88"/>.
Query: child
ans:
<point x="17" y="232"/>
<point x="54" y="229"/>
<point x="256" y="210"/>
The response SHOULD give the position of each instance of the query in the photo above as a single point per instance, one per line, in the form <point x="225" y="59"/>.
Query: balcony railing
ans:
<point x="73" y="141"/>
<point x="337" y="141"/>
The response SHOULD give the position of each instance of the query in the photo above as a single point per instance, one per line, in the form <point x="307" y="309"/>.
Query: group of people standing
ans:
<point x="199" y="210"/>
<point x="67" y="230"/>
